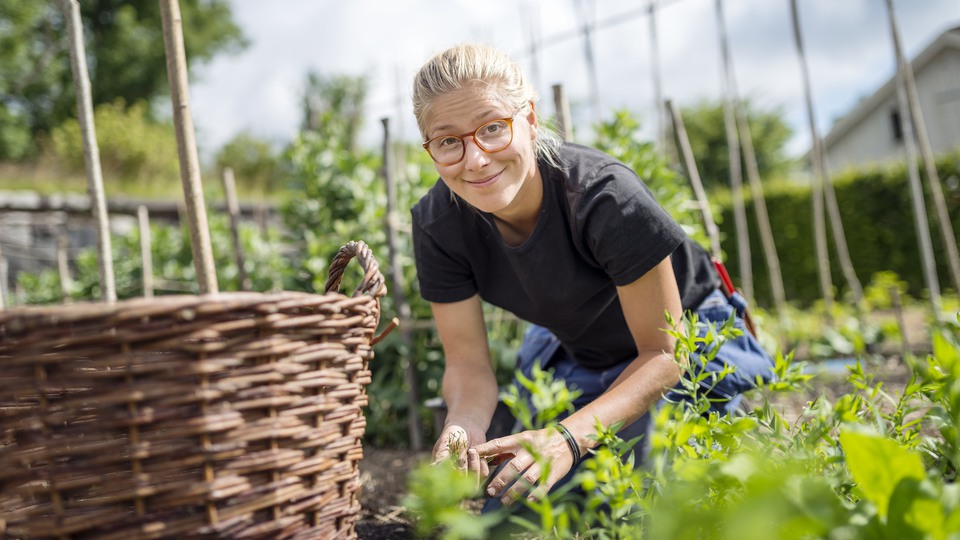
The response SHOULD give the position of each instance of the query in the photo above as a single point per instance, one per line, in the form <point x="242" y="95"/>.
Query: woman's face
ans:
<point x="498" y="182"/>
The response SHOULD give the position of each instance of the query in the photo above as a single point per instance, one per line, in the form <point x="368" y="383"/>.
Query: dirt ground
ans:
<point x="383" y="472"/>
<point x="383" y="477"/>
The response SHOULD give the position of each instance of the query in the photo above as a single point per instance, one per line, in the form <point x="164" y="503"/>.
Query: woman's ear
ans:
<point x="532" y="120"/>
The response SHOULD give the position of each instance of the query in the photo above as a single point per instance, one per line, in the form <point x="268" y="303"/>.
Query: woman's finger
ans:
<point x="507" y="475"/>
<point x="524" y="486"/>
<point x="497" y="447"/>
<point x="441" y="455"/>
<point x="473" y="465"/>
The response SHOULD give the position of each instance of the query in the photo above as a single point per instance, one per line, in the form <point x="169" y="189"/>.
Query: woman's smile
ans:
<point x="484" y="182"/>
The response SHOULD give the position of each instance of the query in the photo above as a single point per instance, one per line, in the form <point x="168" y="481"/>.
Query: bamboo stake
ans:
<point x="760" y="207"/>
<point x="926" y="152"/>
<point x="146" y="252"/>
<point x="233" y="210"/>
<point x="693" y="175"/>
<point x="91" y="152"/>
<point x="833" y="210"/>
<point x="733" y="151"/>
<point x="840" y="239"/>
<point x="587" y="15"/>
<point x="399" y="299"/>
<point x="63" y="264"/>
<point x="898" y="313"/>
<point x="562" y="105"/>
<point x="756" y="189"/>
<point x="657" y="77"/>
<point x="3" y="279"/>
<point x="532" y="26"/>
<point x="187" y="146"/>
<point x="916" y="195"/>
<point x="820" y="234"/>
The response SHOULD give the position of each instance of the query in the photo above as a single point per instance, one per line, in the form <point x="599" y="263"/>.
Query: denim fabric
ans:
<point x="541" y="347"/>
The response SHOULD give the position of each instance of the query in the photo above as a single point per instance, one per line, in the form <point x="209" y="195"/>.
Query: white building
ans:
<point x="871" y="134"/>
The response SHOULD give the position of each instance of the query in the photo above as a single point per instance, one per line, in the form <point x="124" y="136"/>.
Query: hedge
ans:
<point x="877" y="214"/>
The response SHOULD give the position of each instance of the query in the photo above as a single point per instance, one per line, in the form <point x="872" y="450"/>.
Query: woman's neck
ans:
<point x="517" y="222"/>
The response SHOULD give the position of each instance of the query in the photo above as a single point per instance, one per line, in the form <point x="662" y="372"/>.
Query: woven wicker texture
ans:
<point x="236" y="415"/>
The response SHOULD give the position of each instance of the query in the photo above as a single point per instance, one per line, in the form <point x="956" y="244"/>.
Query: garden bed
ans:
<point x="383" y="472"/>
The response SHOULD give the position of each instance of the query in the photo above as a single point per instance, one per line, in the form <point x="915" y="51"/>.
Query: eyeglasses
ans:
<point x="490" y="137"/>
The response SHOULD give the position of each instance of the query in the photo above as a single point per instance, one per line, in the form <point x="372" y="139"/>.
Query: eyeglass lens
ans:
<point x="490" y="137"/>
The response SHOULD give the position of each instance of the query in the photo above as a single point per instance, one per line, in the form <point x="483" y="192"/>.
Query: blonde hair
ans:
<point x="468" y="64"/>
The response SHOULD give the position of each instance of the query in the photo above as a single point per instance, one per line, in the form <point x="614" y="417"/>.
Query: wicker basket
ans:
<point x="236" y="415"/>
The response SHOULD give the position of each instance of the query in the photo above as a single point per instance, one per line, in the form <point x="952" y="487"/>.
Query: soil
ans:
<point x="383" y="479"/>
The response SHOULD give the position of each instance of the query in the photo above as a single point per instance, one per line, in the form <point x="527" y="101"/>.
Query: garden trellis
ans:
<point x="911" y="118"/>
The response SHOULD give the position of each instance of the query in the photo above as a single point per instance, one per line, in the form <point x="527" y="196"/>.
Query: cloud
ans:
<point x="848" y="43"/>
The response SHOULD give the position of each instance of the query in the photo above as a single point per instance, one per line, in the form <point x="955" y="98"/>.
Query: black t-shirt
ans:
<point x="599" y="228"/>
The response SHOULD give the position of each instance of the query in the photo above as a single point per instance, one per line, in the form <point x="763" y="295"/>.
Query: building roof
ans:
<point x="949" y="39"/>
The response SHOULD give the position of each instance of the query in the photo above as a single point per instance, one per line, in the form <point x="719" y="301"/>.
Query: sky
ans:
<point x="848" y="45"/>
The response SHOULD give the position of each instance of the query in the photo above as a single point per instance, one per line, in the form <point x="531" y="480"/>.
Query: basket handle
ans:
<point x="373" y="282"/>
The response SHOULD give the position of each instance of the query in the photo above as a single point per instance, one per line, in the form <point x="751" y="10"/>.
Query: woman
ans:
<point x="563" y="236"/>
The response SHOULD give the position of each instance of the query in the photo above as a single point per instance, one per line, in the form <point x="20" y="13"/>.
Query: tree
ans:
<point x="333" y="106"/>
<point x="126" y="59"/>
<point x="253" y="160"/>
<point x="705" y="127"/>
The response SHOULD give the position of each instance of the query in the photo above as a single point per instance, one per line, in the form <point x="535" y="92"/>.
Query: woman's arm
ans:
<point x="645" y="380"/>
<point x="469" y="385"/>
<point x="640" y="385"/>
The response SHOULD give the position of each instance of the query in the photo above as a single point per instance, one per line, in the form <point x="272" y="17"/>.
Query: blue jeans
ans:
<point x="541" y="347"/>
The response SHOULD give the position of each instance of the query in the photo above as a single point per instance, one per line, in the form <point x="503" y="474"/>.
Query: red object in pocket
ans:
<point x="726" y="285"/>
<point x="725" y="280"/>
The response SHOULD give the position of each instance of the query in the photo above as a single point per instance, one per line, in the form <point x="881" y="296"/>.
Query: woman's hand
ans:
<point x="523" y="475"/>
<point x="456" y="440"/>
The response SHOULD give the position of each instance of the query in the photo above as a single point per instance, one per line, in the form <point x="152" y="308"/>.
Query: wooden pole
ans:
<point x="897" y="303"/>
<point x="233" y="209"/>
<point x="833" y="209"/>
<point x="916" y="195"/>
<point x="187" y="146"/>
<point x="693" y="174"/>
<point x="562" y="105"/>
<point x="819" y="227"/>
<point x="91" y="152"/>
<point x="587" y="13"/>
<point x="926" y="152"/>
<point x="756" y="187"/>
<point x="657" y="77"/>
<point x="399" y="299"/>
<point x="3" y="279"/>
<point x="760" y="207"/>
<point x="733" y="153"/>
<point x="146" y="252"/>
<point x="531" y="21"/>
<point x="63" y="263"/>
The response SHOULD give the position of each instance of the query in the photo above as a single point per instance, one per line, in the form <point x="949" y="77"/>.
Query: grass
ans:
<point x="47" y="178"/>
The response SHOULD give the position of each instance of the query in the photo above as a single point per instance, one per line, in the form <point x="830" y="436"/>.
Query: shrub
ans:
<point x="133" y="147"/>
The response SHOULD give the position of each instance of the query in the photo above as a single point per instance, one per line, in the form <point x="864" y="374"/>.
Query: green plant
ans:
<point x="873" y="464"/>
<point x="134" y="149"/>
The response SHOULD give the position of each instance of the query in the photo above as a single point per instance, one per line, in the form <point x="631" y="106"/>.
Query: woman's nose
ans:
<point x="473" y="156"/>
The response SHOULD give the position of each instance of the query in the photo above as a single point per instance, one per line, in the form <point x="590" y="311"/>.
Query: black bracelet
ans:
<point x="571" y="442"/>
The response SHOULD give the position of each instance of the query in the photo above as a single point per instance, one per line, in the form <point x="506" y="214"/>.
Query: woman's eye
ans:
<point x="448" y="141"/>
<point x="492" y="129"/>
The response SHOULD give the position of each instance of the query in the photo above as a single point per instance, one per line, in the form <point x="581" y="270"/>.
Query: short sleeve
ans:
<point x="625" y="229"/>
<point x="443" y="277"/>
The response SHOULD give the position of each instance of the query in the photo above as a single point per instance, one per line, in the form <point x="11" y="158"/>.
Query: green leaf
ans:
<point x="878" y="464"/>
<point x="915" y="510"/>
<point x="946" y="352"/>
